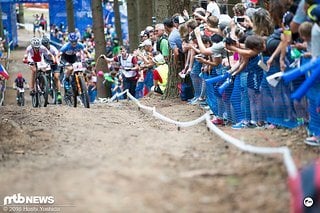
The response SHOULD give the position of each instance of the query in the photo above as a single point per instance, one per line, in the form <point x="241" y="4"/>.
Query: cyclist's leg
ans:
<point x="33" y="76"/>
<point x="17" y="97"/>
<point x="56" y="76"/>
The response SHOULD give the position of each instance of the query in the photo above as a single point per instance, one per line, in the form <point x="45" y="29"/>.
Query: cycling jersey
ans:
<point x="68" y="49"/>
<point x="69" y="52"/>
<point x="20" y="82"/>
<point x="53" y="50"/>
<point x="36" y="56"/>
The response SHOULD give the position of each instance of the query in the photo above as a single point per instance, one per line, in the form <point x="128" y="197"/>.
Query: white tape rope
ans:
<point x="284" y="151"/>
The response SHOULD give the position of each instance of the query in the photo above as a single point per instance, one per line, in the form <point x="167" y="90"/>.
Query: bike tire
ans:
<point x="44" y="90"/>
<point x="75" y="90"/>
<point x="21" y="99"/>
<point x="35" y="100"/>
<point x="53" y="95"/>
<point x="84" y="94"/>
<point x="68" y="97"/>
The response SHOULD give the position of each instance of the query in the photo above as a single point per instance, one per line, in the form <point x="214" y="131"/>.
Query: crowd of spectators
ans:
<point x="226" y="61"/>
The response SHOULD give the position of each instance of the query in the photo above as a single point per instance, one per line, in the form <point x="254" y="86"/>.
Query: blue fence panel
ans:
<point x="9" y="20"/>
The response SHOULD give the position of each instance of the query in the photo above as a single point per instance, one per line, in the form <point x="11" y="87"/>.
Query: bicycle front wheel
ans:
<point x="43" y="90"/>
<point x="21" y="98"/>
<point x="35" y="100"/>
<point x="84" y="93"/>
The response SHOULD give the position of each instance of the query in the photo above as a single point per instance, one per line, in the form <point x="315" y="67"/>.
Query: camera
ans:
<point x="229" y="41"/>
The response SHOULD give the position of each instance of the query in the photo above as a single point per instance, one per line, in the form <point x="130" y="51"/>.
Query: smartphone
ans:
<point x="198" y="56"/>
<point x="240" y="19"/>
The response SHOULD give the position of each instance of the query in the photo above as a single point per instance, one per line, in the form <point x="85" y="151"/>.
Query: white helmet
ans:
<point x="35" y="42"/>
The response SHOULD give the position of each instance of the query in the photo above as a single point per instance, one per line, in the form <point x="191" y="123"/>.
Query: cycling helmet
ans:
<point x="19" y="75"/>
<point x="35" y="42"/>
<point x="72" y="37"/>
<point x="45" y="41"/>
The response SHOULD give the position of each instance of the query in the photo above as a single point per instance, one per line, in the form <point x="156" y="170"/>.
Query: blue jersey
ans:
<point x="68" y="49"/>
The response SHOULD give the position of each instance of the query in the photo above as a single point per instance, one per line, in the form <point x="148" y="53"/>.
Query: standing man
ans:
<point x="162" y="44"/>
<point x="129" y="69"/>
<point x="213" y="9"/>
<point x="176" y="58"/>
<point x="174" y="40"/>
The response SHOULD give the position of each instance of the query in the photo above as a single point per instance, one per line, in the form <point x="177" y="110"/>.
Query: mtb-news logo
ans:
<point x="35" y="203"/>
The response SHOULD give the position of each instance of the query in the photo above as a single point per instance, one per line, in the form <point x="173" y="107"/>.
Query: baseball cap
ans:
<point x="146" y="42"/>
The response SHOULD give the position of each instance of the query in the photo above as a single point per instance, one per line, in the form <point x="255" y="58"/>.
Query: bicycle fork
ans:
<point x="78" y="84"/>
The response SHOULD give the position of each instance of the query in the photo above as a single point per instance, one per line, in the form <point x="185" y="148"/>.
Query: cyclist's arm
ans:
<point x="87" y="53"/>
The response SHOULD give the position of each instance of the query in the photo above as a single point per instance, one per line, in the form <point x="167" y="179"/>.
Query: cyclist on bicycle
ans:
<point x="54" y="67"/>
<point x="19" y="82"/>
<point x="70" y="53"/>
<point x="35" y="53"/>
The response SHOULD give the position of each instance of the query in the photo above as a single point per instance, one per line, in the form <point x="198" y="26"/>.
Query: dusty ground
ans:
<point x="115" y="158"/>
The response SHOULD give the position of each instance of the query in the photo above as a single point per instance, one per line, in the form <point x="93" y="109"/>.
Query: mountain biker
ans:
<point x="35" y="53"/>
<point x="54" y="67"/>
<point x="70" y="52"/>
<point x="19" y="82"/>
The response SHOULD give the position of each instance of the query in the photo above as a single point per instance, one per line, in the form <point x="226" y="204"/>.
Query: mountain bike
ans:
<point x="20" y="96"/>
<point x="77" y="86"/>
<point x="53" y="93"/>
<point x="40" y="96"/>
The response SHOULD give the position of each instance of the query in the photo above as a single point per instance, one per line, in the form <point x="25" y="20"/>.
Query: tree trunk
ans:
<point x="145" y="14"/>
<point x="117" y="17"/>
<point x="100" y="44"/>
<point x="134" y="32"/>
<point x="70" y="15"/>
<point x="161" y="10"/>
<point x="165" y="9"/>
<point x="21" y="16"/>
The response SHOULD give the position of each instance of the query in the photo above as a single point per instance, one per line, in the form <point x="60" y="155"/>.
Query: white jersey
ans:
<point x="53" y="50"/>
<point x="36" y="56"/>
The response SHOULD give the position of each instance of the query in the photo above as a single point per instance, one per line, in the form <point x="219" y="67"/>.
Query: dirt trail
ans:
<point x="117" y="158"/>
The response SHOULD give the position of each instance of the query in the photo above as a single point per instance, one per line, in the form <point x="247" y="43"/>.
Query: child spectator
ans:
<point x="249" y="63"/>
<point x="160" y="74"/>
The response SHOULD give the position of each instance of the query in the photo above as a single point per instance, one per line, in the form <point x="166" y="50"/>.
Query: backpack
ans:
<point x="159" y="42"/>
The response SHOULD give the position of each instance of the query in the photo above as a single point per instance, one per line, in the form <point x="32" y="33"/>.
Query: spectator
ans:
<point x="129" y="69"/>
<point x="36" y="25"/>
<point x="160" y="74"/>
<point x="213" y="9"/>
<point x="43" y="23"/>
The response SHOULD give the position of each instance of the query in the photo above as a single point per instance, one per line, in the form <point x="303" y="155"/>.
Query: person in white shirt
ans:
<point x="213" y="9"/>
